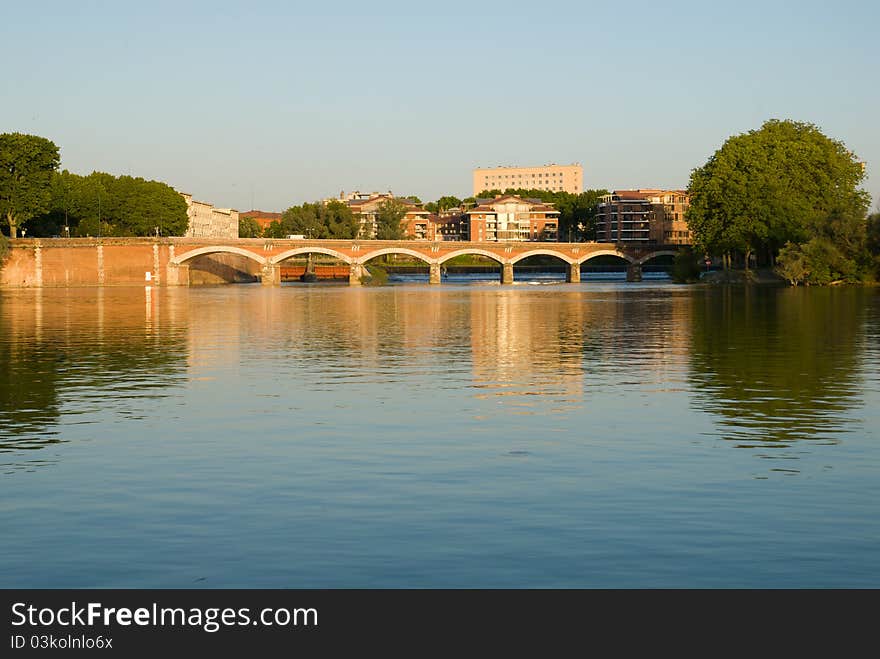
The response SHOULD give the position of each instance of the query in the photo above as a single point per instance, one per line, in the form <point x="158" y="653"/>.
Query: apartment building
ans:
<point x="206" y="221"/>
<point x="668" y="226"/>
<point x="624" y="216"/>
<point x="553" y="177"/>
<point x="511" y="218"/>
<point x="643" y="216"/>
<point x="451" y="225"/>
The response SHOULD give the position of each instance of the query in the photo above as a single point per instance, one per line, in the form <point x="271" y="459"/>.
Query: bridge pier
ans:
<point x="574" y="273"/>
<point x="507" y="273"/>
<point x="634" y="272"/>
<point x="271" y="275"/>
<point x="434" y="277"/>
<point x="355" y="272"/>
<point x="177" y="275"/>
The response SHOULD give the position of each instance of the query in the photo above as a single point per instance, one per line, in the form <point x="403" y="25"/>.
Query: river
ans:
<point x="601" y="434"/>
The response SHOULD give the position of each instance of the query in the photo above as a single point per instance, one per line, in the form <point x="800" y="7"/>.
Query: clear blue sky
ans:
<point x="274" y="103"/>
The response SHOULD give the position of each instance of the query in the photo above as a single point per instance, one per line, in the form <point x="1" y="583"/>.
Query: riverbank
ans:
<point x="758" y="276"/>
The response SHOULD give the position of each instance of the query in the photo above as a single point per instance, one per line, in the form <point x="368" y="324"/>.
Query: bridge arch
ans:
<point x="472" y="252"/>
<point x="283" y="256"/>
<point x="180" y="259"/>
<point x="543" y="252"/>
<point x="395" y="250"/>
<point x="605" y="252"/>
<point x="653" y="255"/>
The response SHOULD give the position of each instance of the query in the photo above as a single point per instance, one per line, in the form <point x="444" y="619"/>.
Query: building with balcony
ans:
<point x="451" y="225"/>
<point x="554" y="178"/>
<point x="511" y="218"/>
<point x="643" y="216"/>
<point x="668" y="226"/>
<point x="624" y="217"/>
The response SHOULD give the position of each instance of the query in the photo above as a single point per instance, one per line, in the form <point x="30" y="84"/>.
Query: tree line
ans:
<point x="38" y="200"/>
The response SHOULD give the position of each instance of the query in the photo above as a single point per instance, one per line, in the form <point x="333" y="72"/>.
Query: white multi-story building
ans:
<point x="205" y="221"/>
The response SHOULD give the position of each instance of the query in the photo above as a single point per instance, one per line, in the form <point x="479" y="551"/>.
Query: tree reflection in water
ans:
<point x="778" y="365"/>
<point x="79" y="352"/>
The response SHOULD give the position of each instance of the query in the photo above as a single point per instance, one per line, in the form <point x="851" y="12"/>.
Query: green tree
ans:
<point x="389" y="220"/>
<point x="333" y="220"/>
<point x="818" y="261"/>
<point x="784" y="182"/>
<point x="142" y="208"/>
<point x="274" y="230"/>
<point x="792" y="264"/>
<point x="248" y="228"/>
<point x="126" y="206"/>
<point x="446" y="202"/>
<point x="339" y="221"/>
<point x="685" y="266"/>
<point x="26" y="166"/>
<point x="873" y="242"/>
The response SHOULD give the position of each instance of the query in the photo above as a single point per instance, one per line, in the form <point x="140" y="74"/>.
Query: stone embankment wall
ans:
<point x="33" y="263"/>
<point x="81" y="262"/>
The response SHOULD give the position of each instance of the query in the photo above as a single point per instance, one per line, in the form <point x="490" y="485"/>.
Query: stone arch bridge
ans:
<point x="271" y="253"/>
<point x="38" y="262"/>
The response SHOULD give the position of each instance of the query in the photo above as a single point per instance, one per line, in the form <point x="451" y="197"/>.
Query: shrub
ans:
<point x="818" y="261"/>
<point x="791" y="264"/>
<point x="685" y="267"/>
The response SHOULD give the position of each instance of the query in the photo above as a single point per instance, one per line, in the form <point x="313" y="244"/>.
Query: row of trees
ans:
<point x="785" y="195"/>
<point x="101" y="204"/>
<point x="333" y="220"/>
<point x="35" y="197"/>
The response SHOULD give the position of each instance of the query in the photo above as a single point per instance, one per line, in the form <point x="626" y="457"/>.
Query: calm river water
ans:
<point x="600" y="434"/>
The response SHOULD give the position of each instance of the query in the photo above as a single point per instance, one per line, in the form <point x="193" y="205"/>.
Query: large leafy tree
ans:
<point x="785" y="182"/>
<point x="26" y="166"/>
<point x="340" y="221"/>
<point x="389" y="220"/>
<point x="333" y="220"/>
<point x="249" y="228"/>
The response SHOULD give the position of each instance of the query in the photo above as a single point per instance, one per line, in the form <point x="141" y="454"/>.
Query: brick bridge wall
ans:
<point x="181" y="261"/>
